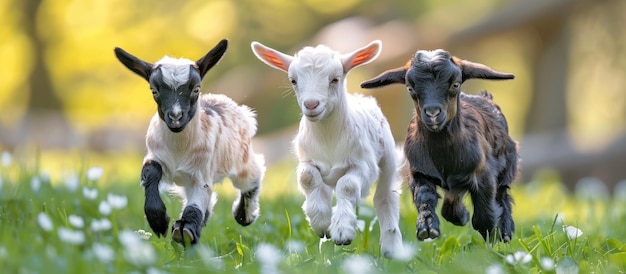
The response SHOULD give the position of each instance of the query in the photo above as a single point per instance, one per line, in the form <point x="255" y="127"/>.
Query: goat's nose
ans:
<point x="432" y="111"/>
<point x="312" y="104"/>
<point x="175" y="116"/>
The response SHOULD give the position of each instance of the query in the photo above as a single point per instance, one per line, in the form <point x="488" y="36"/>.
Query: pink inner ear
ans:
<point x="272" y="58"/>
<point x="363" y="56"/>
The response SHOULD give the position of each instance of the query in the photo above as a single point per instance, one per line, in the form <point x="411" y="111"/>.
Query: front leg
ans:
<point x="318" y="198"/>
<point x="154" y="207"/>
<point x="343" y="222"/>
<point x="425" y="198"/>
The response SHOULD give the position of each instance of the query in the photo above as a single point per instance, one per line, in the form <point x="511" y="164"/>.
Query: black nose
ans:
<point x="432" y="111"/>
<point x="175" y="116"/>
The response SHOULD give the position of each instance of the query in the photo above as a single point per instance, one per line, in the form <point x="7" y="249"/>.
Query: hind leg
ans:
<point x="246" y="208"/>
<point x="387" y="205"/>
<point x="506" y="224"/>
<point x="453" y="208"/>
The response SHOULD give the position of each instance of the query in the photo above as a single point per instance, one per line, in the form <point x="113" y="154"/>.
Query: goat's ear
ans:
<point x="392" y="76"/>
<point x="471" y="70"/>
<point x="271" y="57"/>
<point x="136" y="65"/>
<point x="361" y="56"/>
<point x="212" y="57"/>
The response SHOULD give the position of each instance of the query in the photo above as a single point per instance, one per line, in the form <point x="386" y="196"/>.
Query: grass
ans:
<point x="90" y="221"/>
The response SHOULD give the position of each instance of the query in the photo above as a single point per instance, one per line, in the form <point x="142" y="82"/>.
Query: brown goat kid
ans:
<point x="458" y="142"/>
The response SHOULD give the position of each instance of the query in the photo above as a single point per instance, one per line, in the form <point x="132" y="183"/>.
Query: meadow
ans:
<point x="89" y="219"/>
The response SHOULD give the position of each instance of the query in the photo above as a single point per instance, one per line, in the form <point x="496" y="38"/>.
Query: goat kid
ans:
<point x="190" y="152"/>
<point x="458" y="142"/>
<point x="344" y="143"/>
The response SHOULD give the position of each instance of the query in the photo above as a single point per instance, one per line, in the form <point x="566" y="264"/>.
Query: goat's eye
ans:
<point x="334" y="81"/>
<point x="293" y="81"/>
<point x="155" y="92"/>
<point x="410" y="89"/>
<point x="456" y="85"/>
<point x="196" y="90"/>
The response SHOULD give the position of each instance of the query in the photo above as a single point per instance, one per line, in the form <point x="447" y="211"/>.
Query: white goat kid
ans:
<point x="195" y="150"/>
<point x="344" y="143"/>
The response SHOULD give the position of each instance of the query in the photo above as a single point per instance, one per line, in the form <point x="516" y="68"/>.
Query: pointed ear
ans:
<point x="361" y="56"/>
<point x="471" y="70"/>
<point x="136" y="65"/>
<point x="271" y="57"/>
<point x="392" y="76"/>
<point x="212" y="57"/>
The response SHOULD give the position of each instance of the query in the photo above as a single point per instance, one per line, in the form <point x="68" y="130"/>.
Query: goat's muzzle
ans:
<point x="434" y="118"/>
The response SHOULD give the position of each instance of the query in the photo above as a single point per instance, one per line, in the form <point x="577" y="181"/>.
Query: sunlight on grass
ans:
<point x="94" y="223"/>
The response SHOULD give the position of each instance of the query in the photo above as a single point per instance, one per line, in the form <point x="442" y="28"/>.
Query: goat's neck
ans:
<point x="188" y="135"/>
<point x="335" y="122"/>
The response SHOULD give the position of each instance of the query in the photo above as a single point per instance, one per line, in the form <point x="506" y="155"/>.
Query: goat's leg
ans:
<point x="187" y="229"/>
<point x="154" y="208"/>
<point x="506" y="224"/>
<point x="425" y="198"/>
<point x="318" y="198"/>
<point x="486" y="211"/>
<point x="246" y="207"/>
<point x="453" y="208"/>
<point x="387" y="205"/>
<point x="343" y="221"/>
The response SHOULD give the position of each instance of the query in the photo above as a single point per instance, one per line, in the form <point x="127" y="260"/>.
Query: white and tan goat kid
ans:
<point x="344" y="143"/>
<point x="194" y="141"/>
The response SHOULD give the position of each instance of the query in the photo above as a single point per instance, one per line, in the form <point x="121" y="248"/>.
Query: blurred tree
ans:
<point x="42" y="96"/>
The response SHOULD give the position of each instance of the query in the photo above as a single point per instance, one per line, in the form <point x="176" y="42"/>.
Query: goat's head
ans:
<point x="317" y="74"/>
<point x="433" y="79"/>
<point x="175" y="83"/>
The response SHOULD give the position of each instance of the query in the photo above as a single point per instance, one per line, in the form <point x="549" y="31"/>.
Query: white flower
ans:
<point x="103" y="252"/>
<point x="267" y="254"/>
<point x="76" y="221"/>
<point x="145" y="235"/>
<point x="6" y="159"/>
<point x="3" y="252"/>
<point x="209" y="258"/>
<point x="90" y="194"/>
<point x="45" y="222"/>
<point x="360" y="225"/>
<point x="518" y="257"/>
<point x="104" y="207"/>
<point x="100" y="225"/>
<point x="572" y="232"/>
<point x="35" y="183"/>
<point x="547" y="263"/>
<point x="495" y="269"/>
<point x="71" y="236"/>
<point x="294" y="246"/>
<point x="404" y="253"/>
<point x="357" y="264"/>
<point x="117" y="201"/>
<point x="94" y="173"/>
<point x="71" y="182"/>
<point x="137" y="252"/>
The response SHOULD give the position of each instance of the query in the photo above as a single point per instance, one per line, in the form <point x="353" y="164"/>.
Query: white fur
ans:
<point x="175" y="70"/>
<point x="343" y="145"/>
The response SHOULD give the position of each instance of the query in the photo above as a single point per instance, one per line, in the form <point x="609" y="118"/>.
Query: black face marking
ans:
<point x="176" y="105"/>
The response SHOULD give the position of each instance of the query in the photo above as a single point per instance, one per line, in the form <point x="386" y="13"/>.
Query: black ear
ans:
<point x="392" y="76"/>
<point x="471" y="70"/>
<point x="212" y="57"/>
<point x="136" y="65"/>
